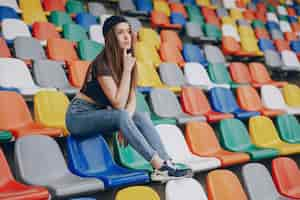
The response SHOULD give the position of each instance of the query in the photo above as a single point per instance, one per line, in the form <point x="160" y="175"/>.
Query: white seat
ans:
<point x="228" y="4"/>
<point x="285" y="26"/>
<point x="290" y="60"/>
<point x="12" y="4"/>
<point x="15" y="73"/>
<point x="281" y="10"/>
<point x="196" y="75"/>
<point x="272" y="17"/>
<point x="229" y="30"/>
<point x="183" y="188"/>
<point x="272" y="98"/>
<point x="11" y="28"/>
<point x="175" y="145"/>
<point x="95" y="33"/>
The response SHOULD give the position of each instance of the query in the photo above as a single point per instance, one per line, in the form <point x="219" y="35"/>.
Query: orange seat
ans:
<point x="261" y="16"/>
<point x="239" y="73"/>
<point x="261" y="33"/>
<point x="194" y="102"/>
<point x="77" y="72"/>
<point x="16" y="118"/>
<point x="44" y="31"/>
<point x="291" y="11"/>
<point x="172" y="37"/>
<point x="4" y="50"/>
<point x="248" y="15"/>
<point x="179" y="8"/>
<point x="260" y="76"/>
<point x="170" y="54"/>
<point x="230" y="46"/>
<point x="290" y="36"/>
<point x="282" y="45"/>
<point x="249" y="100"/>
<point x="202" y="141"/>
<point x="54" y="5"/>
<point x="61" y="50"/>
<point x="160" y="19"/>
<point x="296" y="27"/>
<point x="222" y="184"/>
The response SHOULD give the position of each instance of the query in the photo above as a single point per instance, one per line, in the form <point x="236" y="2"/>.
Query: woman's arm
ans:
<point x="131" y="105"/>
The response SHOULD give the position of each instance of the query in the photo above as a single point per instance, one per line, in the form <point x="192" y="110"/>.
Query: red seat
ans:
<point x="10" y="189"/>
<point x="44" y="31"/>
<point x="170" y="54"/>
<point x="54" y="5"/>
<point x="179" y="8"/>
<point x="160" y="19"/>
<point x="210" y="16"/>
<point x="290" y="36"/>
<point x="77" y="72"/>
<point x="282" y="45"/>
<point x="61" y="50"/>
<point x="171" y="37"/>
<point x="291" y="11"/>
<point x="261" y="33"/>
<point x="239" y="72"/>
<point x="249" y="15"/>
<point x="4" y="50"/>
<point x="296" y="27"/>
<point x="230" y="46"/>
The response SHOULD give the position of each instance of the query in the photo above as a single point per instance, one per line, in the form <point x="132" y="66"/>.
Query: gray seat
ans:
<point x="96" y="8"/>
<point x="272" y="59"/>
<point x="51" y="74"/>
<point x="216" y="3"/>
<point x="259" y="183"/>
<point x="222" y="12"/>
<point x="39" y="161"/>
<point x="194" y="32"/>
<point x="28" y="48"/>
<point x="251" y="6"/>
<point x="276" y="34"/>
<point x="135" y="23"/>
<point x="165" y="104"/>
<point x="128" y="7"/>
<point x="213" y="54"/>
<point x="171" y="74"/>
<point x="242" y="22"/>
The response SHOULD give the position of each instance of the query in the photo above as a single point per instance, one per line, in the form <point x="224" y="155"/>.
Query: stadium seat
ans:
<point x="212" y="32"/>
<point x="219" y="74"/>
<point x="135" y="24"/>
<point x="249" y="15"/>
<point x="59" y="18"/>
<point x="95" y="34"/>
<point x="266" y="44"/>
<point x="172" y="109"/>
<point x="77" y="71"/>
<point x="273" y="60"/>
<point x="285" y="26"/>
<point x="234" y="136"/>
<point x="95" y="152"/>
<point x="194" y="14"/>
<point x="159" y="19"/>
<point x="177" y="7"/>
<point x="177" y="19"/>
<point x="85" y="20"/>
<point x="74" y="7"/>
<point x="258" y="182"/>
<point x="282" y="45"/>
<point x="144" y="5"/>
<point x="264" y="134"/>
<point x="195" y="132"/>
<point x="192" y="53"/>
<point x="230" y="31"/>
<point x="44" y="31"/>
<point x="170" y="54"/>
<point x="89" y="49"/>
<point x="7" y="13"/>
<point x="162" y="6"/>
<point x="57" y="79"/>
<point x="276" y="34"/>
<point x="258" y="24"/>
<point x="23" y="124"/>
<point x="136" y="193"/>
<point x="262" y="33"/>
<point x="214" y="54"/>
<point x="295" y="45"/>
<point x="180" y="189"/>
<point x="194" y="102"/>
<point x="53" y="5"/>
<point x="290" y="61"/>
<point x="11" y="28"/>
<point x="171" y="75"/>
<point x="96" y="8"/>
<point x="172" y="37"/>
<point x="32" y="11"/>
<point x="74" y="32"/>
<point x="240" y="73"/>
<point x="194" y="31"/>
<point x="290" y="37"/>
<point x="11" y="189"/>
<point x="147" y="53"/>
<point x="291" y="94"/>
<point x="149" y="36"/>
<point x="288" y="128"/>
<point x="11" y="3"/>
<point x="178" y="150"/>
<point x="47" y="167"/>
<point x="61" y="50"/>
<point x="5" y="136"/>
<point x="4" y="50"/>
<point x="127" y="7"/>
<point x="223" y="100"/>
<point x="285" y="173"/>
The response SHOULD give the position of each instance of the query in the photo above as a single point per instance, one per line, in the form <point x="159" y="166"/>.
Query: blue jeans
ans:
<point x="84" y="119"/>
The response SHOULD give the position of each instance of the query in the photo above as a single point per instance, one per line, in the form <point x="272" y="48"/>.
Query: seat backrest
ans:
<point x="11" y="28"/>
<point x="89" y="49"/>
<point x="77" y="71"/>
<point x="271" y="97"/>
<point x="51" y="5"/>
<point x="61" y="50"/>
<point x="171" y="36"/>
<point x="5" y="173"/>
<point x="289" y="58"/>
<point x="170" y="54"/>
<point x="137" y="192"/>
<point x="96" y="8"/>
<point x="4" y="50"/>
<point x="291" y="94"/>
<point x="218" y="73"/>
<point x="28" y="48"/>
<point x="288" y="127"/>
<point x="259" y="73"/>
<point x="44" y="31"/>
<point x="95" y="34"/>
<point x="74" y="7"/>
<point x="60" y="18"/>
<point x="149" y="36"/>
<point x="74" y="32"/>
<point x="171" y="74"/>
<point x="201" y="138"/>
<point x="194" y="101"/>
<point x="239" y="72"/>
<point x="272" y="59"/>
<point x="248" y="98"/>
<point x="192" y="53"/>
<point x="214" y="54"/>
<point x="148" y="75"/>
<point x="162" y="6"/>
<point x="141" y="103"/>
<point x="282" y="45"/>
<point x="258" y="182"/>
<point x="266" y="44"/>
<point x="146" y="53"/>
<point x="222" y="100"/>
<point x="135" y="24"/>
<point x="195" y="74"/>
<point x="85" y="20"/>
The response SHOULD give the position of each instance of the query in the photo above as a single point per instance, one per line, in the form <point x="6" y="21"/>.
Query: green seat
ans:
<point x="271" y="8"/>
<point x="59" y="18"/>
<point x="88" y="49"/>
<point x="288" y="128"/>
<point x="212" y="31"/>
<point x="74" y="32"/>
<point x="5" y="136"/>
<point x="283" y="18"/>
<point x="142" y="106"/>
<point x="258" y="24"/>
<point x="194" y="14"/>
<point x="74" y="7"/>
<point x="234" y="136"/>
<point x="219" y="74"/>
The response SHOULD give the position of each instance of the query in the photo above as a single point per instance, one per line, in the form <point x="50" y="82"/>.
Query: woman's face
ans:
<point x="123" y="34"/>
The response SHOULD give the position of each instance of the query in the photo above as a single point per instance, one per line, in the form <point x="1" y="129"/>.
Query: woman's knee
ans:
<point x="123" y="116"/>
<point x="141" y="117"/>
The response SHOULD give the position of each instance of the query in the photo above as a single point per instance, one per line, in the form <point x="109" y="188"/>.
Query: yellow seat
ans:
<point x="148" y="77"/>
<point x="146" y="53"/>
<point x="32" y="11"/>
<point x="250" y="45"/>
<point x="236" y="14"/>
<point x="137" y="193"/>
<point x="228" y="20"/>
<point x="50" y="109"/>
<point x="291" y="95"/>
<point x="205" y="3"/>
<point x="149" y="36"/>
<point x="162" y="6"/>
<point x="264" y="134"/>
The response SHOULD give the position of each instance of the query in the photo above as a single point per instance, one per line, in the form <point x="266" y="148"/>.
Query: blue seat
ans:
<point x="297" y="8"/>
<point x="266" y="44"/>
<point x="292" y="19"/>
<point x="295" y="45"/>
<point x="10" y="89"/>
<point x="144" y="5"/>
<point x="190" y="2"/>
<point x="7" y="12"/>
<point x="222" y="100"/>
<point x="86" y="20"/>
<point x="177" y="18"/>
<point x="192" y="53"/>
<point x="272" y="25"/>
<point x="91" y="157"/>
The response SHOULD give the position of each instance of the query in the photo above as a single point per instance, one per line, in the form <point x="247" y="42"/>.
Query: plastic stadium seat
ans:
<point x="188" y="2"/>
<point x="43" y="31"/>
<point x="229" y="4"/>
<point x="11" y="3"/>
<point x="223" y="100"/>
<point x="59" y="18"/>
<point x="291" y="93"/>
<point x="159" y="19"/>
<point x="178" y="150"/>
<point x="172" y="37"/>
<point x="196" y="75"/>
<point x="47" y="167"/>
<point x="11" y="28"/>
<point x="50" y="108"/>
<point x="86" y="20"/>
<point x="172" y="109"/>
<point x="7" y="13"/>
<point x="4" y="50"/>
<point x="88" y="49"/>
<point x="219" y="74"/>
<point x="95" y="34"/>
<point x="258" y="24"/>
<point x="177" y="18"/>
<point x="249" y="15"/>
<point x="23" y="124"/>
<point x="290" y="61"/>
<point x="149" y="36"/>
<point x="28" y="48"/>
<point x="288" y="128"/>
<point x="162" y="6"/>
<point x="192" y="53"/>
<point x="194" y="31"/>
<point x="100" y="164"/>
<point x="261" y="33"/>
<point x="194" y="14"/>
<point x="96" y="8"/>
<point x="74" y="7"/>
<point x="5" y="136"/>
<point x="266" y="44"/>
<point x="264" y="134"/>
<point x="282" y="45"/>
<point x="295" y="45"/>
<point x="178" y="8"/>
<point x="296" y="27"/>
<point x="194" y="102"/>
<point x="260" y="76"/>
<point x="272" y="18"/>
<point x="144" y="5"/>
<point x="195" y="132"/>
<point x="258" y="182"/>
<point x="231" y="31"/>
<point x="282" y="10"/>
<point x="285" y="26"/>
<point x="212" y="31"/>
<point x="32" y="11"/>
<point x="221" y="12"/>
<point x="171" y="75"/>
<point x="135" y="24"/>
<point x="273" y="60"/>
<point x="214" y="54"/>
<point x="11" y="189"/>
<point x="136" y="193"/>
<point x="291" y="11"/>
<point x="74" y="32"/>
<point x="180" y="189"/>
<point x="128" y="7"/>
<point x="77" y="71"/>
<point x="285" y="173"/>
<point x="234" y="136"/>
<point x="147" y="53"/>
<point x="61" y="50"/>
<point x="14" y="73"/>
<point x="170" y="54"/>
<point x="53" y="5"/>
<point x="249" y="100"/>
<point x="276" y="34"/>
<point x="240" y="73"/>
<point x="57" y="79"/>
